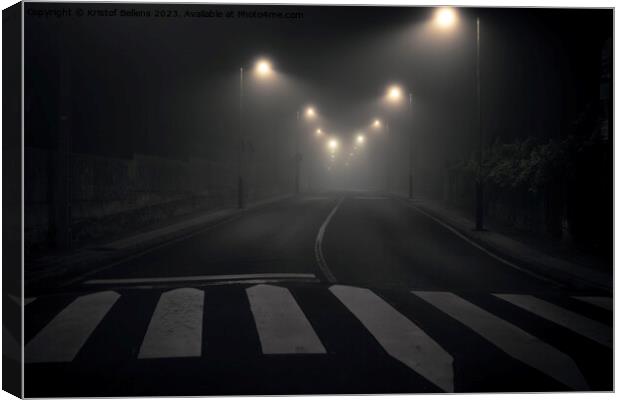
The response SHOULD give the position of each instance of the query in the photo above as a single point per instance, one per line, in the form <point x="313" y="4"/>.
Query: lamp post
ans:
<point x="411" y="146"/>
<point x="240" y="146"/>
<point x="446" y="18"/>
<point x="479" y="185"/>
<point x="394" y="95"/>
<point x="310" y="114"/>
<point x="262" y="69"/>
<point x="297" y="156"/>
<point x="378" y="125"/>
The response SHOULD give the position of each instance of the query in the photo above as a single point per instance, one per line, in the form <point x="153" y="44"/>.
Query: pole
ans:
<point x="297" y="157"/>
<point x="387" y="156"/>
<point x="479" y="186"/>
<point x="411" y="147"/>
<point x="240" y="192"/>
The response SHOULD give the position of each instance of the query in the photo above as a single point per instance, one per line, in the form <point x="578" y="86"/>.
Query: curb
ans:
<point x="566" y="273"/>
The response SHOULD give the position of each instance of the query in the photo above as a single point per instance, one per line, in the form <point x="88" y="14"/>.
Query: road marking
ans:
<point x="584" y="326"/>
<point x="62" y="338"/>
<point x="281" y="324"/>
<point x="481" y="248"/>
<point x="175" y="329"/>
<point x="318" y="245"/>
<point x="199" y="278"/>
<point x="604" y="302"/>
<point x="400" y="337"/>
<point x="509" y="338"/>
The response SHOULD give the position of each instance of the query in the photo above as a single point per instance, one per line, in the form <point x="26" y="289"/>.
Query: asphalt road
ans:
<point x="330" y="293"/>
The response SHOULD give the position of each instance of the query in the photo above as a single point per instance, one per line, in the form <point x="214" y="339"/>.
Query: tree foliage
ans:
<point x="525" y="164"/>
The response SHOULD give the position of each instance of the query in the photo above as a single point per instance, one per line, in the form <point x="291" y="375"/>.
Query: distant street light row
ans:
<point x="445" y="18"/>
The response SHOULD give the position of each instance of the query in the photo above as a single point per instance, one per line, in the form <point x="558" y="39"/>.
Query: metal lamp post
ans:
<point x="240" y="150"/>
<point x="262" y="69"/>
<point x="479" y="183"/>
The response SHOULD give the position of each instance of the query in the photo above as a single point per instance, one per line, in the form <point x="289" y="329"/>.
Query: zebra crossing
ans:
<point x="178" y="324"/>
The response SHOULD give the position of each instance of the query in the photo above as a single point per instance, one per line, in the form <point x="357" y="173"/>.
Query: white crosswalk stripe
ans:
<point x="600" y="301"/>
<point x="281" y="324"/>
<point x="584" y="326"/>
<point x="64" y="336"/>
<point x="509" y="338"/>
<point x="400" y="337"/>
<point x="175" y="329"/>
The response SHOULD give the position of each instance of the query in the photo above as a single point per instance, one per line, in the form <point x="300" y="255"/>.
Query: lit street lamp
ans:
<point x="394" y="96"/>
<point x="310" y="114"/>
<point x="333" y="145"/>
<point x="446" y="18"/>
<point x="262" y="70"/>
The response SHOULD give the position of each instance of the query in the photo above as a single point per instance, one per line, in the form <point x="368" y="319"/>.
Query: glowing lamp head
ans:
<point x="310" y="112"/>
<point x="445" y="17"/>
<point x="319" y="132"/>
<point x="360" y="139"/>
<point x="263" y="68"/>
<point x="332" y="145"/>
<point x="376" y="124"/>
<point x="394" y="94"/>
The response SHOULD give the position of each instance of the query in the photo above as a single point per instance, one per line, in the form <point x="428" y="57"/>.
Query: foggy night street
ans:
<point x="273" y="200"/>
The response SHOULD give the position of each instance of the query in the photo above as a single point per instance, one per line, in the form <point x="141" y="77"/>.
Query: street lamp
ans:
<point x="376" y="123"/>
<point x="262" y="70"/>
<point x="394" y="96"/>
<point x="360" y="139"/>
<point x="332" y="145"/>
<point x="310" y="112"/>
<point x="446" y="18"/>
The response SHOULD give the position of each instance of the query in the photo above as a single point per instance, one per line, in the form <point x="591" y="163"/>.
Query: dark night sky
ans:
<point x="539" y="68"/>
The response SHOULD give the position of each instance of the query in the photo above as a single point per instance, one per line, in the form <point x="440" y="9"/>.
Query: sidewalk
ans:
<point x="68" y="267"/>
<point x="587" y="272"/>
